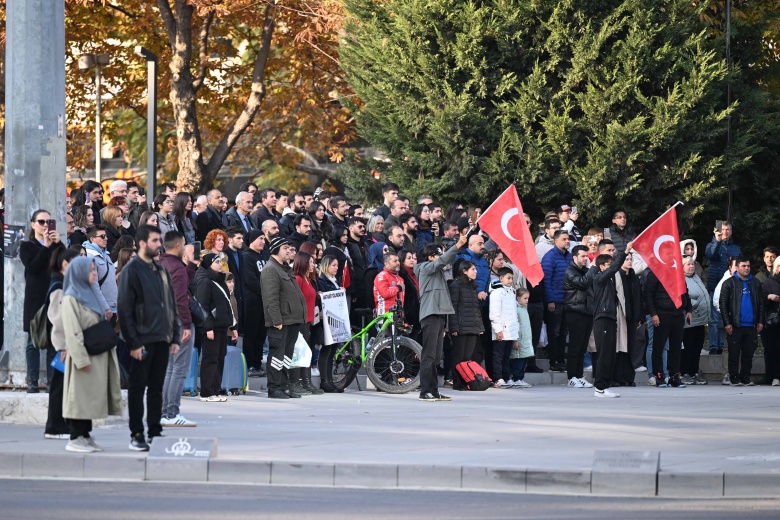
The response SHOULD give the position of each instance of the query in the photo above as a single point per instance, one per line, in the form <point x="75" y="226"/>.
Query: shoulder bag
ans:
<point x="100" y="338"/>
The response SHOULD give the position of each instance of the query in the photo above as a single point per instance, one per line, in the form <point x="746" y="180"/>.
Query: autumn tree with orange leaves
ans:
<point x="241" y="81"/>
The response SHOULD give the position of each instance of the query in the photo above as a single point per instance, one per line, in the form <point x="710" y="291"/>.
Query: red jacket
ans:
<point x="181" y="283"/>
<point x="309" y="294"/>
<point x="386" y="293"/>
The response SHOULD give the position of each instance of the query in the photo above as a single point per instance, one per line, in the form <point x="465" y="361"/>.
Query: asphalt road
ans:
<point x="79" y="500"/>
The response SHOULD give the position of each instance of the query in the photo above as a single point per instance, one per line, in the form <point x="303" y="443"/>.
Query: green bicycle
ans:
<point x="392" y="361"/>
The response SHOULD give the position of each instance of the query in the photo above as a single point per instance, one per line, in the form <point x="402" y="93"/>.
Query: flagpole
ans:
<point x="678" y="203"/>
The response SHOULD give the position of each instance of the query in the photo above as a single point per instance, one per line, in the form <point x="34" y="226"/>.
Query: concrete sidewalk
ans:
<point x="714" y="441"/>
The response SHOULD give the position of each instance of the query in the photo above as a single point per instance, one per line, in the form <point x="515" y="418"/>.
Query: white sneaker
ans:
<point x="57" y="436"/>
<point x="500" y="384"/>
<point x="574" y="383"/>
<point x="522" y="384"/>
<point x="588" y="368"/>
<point x="91" y="441"/>
<point x="315" y="372"/>
<point x="585" y="383"/>
<point x="640" y="369"/>
<point x="775" y="382"/>
<point x="79" y="445"/>
<point x="178" y="421"/>
<point x="651" y="381"/>
<point x="605" y="393"/>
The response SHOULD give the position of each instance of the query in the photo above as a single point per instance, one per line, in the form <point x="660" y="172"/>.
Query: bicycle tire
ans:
<point x="397" y="376"/>
<point x="341" y="369"/>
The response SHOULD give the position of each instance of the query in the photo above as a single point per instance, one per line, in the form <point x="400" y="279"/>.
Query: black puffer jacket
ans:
<point x="576" y="282"/>
<point x="467" y="318"/>
<point x="604" y="293"/>
<point x="771" y="286"/>
<point x="215" y="301"/>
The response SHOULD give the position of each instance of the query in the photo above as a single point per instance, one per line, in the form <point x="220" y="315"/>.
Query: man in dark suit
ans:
<point x="212" y="217"/>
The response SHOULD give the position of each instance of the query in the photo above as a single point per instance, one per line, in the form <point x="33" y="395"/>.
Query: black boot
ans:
<point x="306" y="382"/>
<point x="32" y="386"/>
<point x="294" y="380"/>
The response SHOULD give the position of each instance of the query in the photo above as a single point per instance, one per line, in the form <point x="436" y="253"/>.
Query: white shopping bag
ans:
<point x="302" y="354"/>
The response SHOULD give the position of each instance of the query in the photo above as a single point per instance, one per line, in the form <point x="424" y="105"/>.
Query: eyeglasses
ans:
<point x="168" y="201"/>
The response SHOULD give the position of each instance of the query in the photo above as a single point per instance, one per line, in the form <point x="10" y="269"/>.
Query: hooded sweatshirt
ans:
<point x="699" y="269"/>
<point x="107" y="292"/>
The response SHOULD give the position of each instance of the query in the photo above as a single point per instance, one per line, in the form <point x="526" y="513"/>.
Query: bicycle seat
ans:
<point x="367" y="313"/>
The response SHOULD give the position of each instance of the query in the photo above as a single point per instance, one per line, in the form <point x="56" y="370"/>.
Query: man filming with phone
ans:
<point x="718" y="252"/>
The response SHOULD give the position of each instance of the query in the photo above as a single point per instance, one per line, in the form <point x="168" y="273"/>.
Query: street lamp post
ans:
<point x="86" y="62"/>
<point x="151" y="120"/>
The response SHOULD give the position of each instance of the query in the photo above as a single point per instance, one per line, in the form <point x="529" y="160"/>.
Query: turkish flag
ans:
<point x="659" y="246"/>
<point x="505" y="223"/>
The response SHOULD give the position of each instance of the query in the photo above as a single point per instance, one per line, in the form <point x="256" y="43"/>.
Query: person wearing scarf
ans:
<point x="213" y="295"/>
<point x="91" y="389"/>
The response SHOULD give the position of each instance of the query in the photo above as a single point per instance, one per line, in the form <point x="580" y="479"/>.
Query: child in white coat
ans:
<point x="504" y="325"/>
<point x="523" y="349"/>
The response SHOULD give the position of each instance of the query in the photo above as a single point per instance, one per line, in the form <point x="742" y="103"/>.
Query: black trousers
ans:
<point x="432" y="351"/>
<point x="447" y="356"/>
<point x="80" y="428"/>
<point x="55" y="423"/>
<point x="147" y="376"/>
<point x="623" y="371"/>
<point x="462" y="350"/>
<point x="580" y="327"/>
<point x="605" y="333"/>
<point x="212" y="363"/>
<point x="501" y="352"/>
<point x="693" y="342"/>
<point x="483" y="349"/>
<point x="742" y="345"/>
<point x="671" y="328"/>
<point x="281" y="345"/>
<point x="255" y="333"/>
<point x="556" y="334"/>
<point x="771" y="341"/>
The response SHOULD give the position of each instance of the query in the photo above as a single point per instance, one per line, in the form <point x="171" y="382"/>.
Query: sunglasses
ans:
<point x="101" y="236"/>
<point x="42" y="222"/>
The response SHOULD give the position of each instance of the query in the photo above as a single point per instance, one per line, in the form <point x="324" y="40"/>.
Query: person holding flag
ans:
<point x="665" y="293"/>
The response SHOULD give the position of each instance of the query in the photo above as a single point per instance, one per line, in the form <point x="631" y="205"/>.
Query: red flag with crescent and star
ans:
<point x="659" y="246"/>
<point x="505" y="223"/>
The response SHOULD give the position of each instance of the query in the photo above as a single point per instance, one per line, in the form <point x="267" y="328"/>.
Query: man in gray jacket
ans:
<point x="435" y="305"/>
<point x="285" y="311"/>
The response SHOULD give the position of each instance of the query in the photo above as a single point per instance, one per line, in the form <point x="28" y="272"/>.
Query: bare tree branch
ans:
<point x="168" y="20"/>
<point x="203" y="40"/>
<point x="121" y="10"/>
<point x="256" y="96"/>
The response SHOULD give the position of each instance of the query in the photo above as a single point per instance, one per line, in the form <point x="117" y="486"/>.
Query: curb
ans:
<point x="667" y="484"/>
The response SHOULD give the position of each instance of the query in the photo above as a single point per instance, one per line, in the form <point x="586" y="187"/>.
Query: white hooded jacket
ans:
<point x="503" y="311"/>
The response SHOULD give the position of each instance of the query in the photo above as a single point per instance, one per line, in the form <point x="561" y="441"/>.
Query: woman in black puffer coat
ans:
<point x="213" y="295"/>
<point x="466" y="324"/>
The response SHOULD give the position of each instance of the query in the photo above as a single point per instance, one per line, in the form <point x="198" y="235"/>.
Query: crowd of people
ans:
<point x="258" y="267"/>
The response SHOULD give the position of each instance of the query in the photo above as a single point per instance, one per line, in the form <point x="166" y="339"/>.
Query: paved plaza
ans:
<point x="713" y="432"/>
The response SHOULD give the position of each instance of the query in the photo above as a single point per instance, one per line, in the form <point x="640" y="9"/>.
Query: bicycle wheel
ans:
<point x="395" y="372"/>
<point x="342" y="368"/>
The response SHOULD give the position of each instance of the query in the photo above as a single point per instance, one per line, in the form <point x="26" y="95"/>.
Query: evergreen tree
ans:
<point x="599" y="103"/>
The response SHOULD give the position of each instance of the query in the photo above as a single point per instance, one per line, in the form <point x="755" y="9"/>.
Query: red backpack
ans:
<point x="473" y="376"/>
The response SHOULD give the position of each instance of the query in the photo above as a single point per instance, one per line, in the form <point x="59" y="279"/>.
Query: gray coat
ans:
<point x="700" y="301"/>
<point x="283" y="301"/>
<point x="434" y="293"/>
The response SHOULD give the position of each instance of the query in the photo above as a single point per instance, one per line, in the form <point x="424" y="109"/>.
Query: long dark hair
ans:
<point x="301" y="266"/>
<point x="462" y="267"/>
<point x="180" y="205"/>
<point x="424" y="224"/>
<point x="336" y="233"/>
<point x="79" y="196"/>
<point x="124" y="242"/>
<point x="31" y="234"/>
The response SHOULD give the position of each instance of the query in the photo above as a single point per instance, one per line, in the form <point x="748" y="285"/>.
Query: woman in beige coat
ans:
<point x="91" y="389"/>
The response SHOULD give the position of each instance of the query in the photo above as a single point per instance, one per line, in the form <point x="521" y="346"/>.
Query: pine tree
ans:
<point x="599" y="103"/>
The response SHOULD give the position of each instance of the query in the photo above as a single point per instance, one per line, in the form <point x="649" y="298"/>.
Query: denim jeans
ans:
<point x="33" y="357"/>
<point x="178" y="368"/>
<point x="715" y="328"/>
<point x="649" y="357"/>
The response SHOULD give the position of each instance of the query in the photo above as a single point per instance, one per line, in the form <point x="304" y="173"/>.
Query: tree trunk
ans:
<point x="195" y="175"/>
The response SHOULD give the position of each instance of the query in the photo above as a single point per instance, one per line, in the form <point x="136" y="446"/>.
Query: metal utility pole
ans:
<point x="86" y="62"/>
<point x="151" y="120"/>
<point x="35" y="150"/>
<point x="728" y="98"/>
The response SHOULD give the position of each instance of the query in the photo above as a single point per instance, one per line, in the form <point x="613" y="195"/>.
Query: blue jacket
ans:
<point x="718" y="254"/>
<point x="554" y="265"/>
<point x="483" y="272"/>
